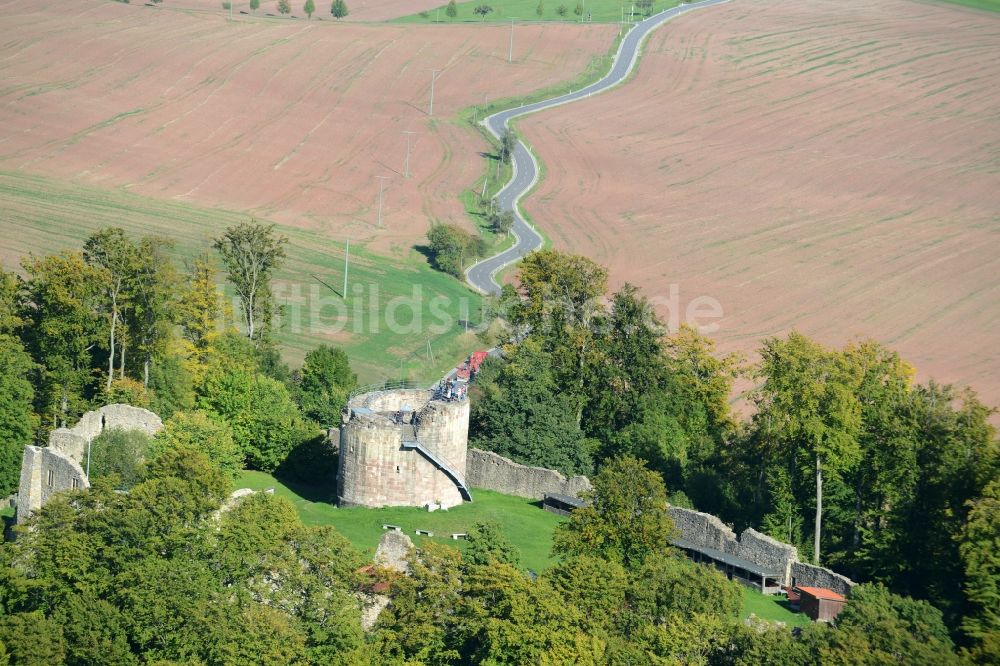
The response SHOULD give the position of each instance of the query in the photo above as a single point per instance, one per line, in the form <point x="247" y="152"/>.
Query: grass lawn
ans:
<point x="43" y="215"/>
<point x="988" y="5"/>
<point x="526" y="525"/>
<point x="770" y="607"/>
<point x="599" y="11"/>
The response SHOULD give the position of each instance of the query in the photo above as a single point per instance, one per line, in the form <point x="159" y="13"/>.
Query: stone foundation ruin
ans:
<point x="46" y="470"/>
<point x="403" y="447"/>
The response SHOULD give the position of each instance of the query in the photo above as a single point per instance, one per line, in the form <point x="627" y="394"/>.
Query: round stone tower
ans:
<point x="403" y="448"/>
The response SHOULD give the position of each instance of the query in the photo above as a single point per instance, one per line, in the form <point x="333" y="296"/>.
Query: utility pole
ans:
<point x="347" y="265"/>
<point x="510" y="51"/>
<point x="381" y="192"/>
<point x="406" y="164"/>
<point x="434" y="73"/>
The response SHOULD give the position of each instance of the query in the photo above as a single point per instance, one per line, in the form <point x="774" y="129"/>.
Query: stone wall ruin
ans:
<point x="59" y="466"/>
<point x="494" y="472"/>
<point x="707" y="531"/>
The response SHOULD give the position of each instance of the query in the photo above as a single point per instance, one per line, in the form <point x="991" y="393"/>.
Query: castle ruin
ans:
<point x="404" y="447"/>
<point x="47" y="470"/>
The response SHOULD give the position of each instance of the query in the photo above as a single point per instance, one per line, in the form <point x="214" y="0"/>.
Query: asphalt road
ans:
<point x="525" y="171"/>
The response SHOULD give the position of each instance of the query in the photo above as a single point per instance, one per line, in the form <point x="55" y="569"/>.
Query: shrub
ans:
<point x="119" y="453"/>
<point x="198" y="431"/>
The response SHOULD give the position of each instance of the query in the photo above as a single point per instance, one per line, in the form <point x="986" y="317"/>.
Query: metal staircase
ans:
<point x="441" y="464"/>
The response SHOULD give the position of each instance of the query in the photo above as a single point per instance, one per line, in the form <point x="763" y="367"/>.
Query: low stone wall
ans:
<point x="489" y="470"/>
<point x="812" y="576"/>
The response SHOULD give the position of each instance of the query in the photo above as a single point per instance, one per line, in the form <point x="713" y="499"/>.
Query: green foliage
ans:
<point x="508" y="142"/>
<point x="524" y="414"/>
<point x="32" y="639"/>
<point x="451" y="247"/>
<point x="251" y="253"/>
<point x="254" y="5"/>
<point x="309" y="7"/>
<point x="897" y="626"/>
<point x="673" y="585"/>
<point x="482" y="10"/>
<point x="562" y="11"/>
<point x="979" y="547"/>
<point x="540" y="9"/>
<point x="10" y="302"/>
<point x="598" y="588"/>
<point x="808" y="408"/>
<point x="451" y="11"/>
<point x="198" y="431"/>
<point x="626" y="520"/>
<point x="284" y="7"/>
<point x="62" y="297"/>
<point x="488" y="545"/>
<point x="119" y="453"/>
<point x="266" y="423"/>
<point x="127" y="392"/>
<point x="339" y="9"/>
<point x="325" y="381"/>
<point x="152" y="576"/>
<point x="578" y="9"/>
<point x="172" y="386"/>
<point x="116" y="259"/>
<point x="17" y="420"/>
<point x="313" y="461"/>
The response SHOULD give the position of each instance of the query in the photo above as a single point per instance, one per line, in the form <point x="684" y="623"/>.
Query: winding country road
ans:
<point x="525" y="168"/>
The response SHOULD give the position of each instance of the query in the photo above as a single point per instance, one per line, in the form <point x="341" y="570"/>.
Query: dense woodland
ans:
<point x="891" y="483"/>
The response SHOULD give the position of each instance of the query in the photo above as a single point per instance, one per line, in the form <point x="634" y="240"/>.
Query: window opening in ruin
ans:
<point x="51" y="478"/>
<point x="397" y="469"/>
<point x="76" y="483"/>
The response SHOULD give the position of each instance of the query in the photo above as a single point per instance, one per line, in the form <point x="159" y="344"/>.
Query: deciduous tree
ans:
<point x="118" y="258"/>
<point x="326" y="380"/>
<point x="626" y="519"/>
<point x="339" y="9"/>
<point x="63" y="295"/>
<point x="17" y="420"/>
<point x="808" y="408"/>
<point x="251" y="253"/>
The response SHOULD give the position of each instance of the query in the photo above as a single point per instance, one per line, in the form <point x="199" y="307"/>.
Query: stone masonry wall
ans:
<point x="63" y="458"/>
<point x="45" y="472"/>
<point x="703" y="529"/>
<point x="813" y="576"/>
<point x="377" y="470"/>
<point x="708" y="531"/>
<point x="489" y="470"/>
<point x="767" y="552"/>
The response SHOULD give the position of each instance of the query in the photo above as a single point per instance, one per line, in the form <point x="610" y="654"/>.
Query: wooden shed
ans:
<point x="820" y="603"/>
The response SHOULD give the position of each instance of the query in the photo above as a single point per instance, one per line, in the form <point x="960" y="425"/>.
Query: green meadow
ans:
<point x="400" y="317"/>
<point x="524" y="522"/>
<point x="594" y="11"/>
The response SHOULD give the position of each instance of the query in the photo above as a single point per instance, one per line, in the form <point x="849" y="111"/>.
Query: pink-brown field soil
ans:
<point x="826" y="165"/>
<point x="286" y="120"/>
